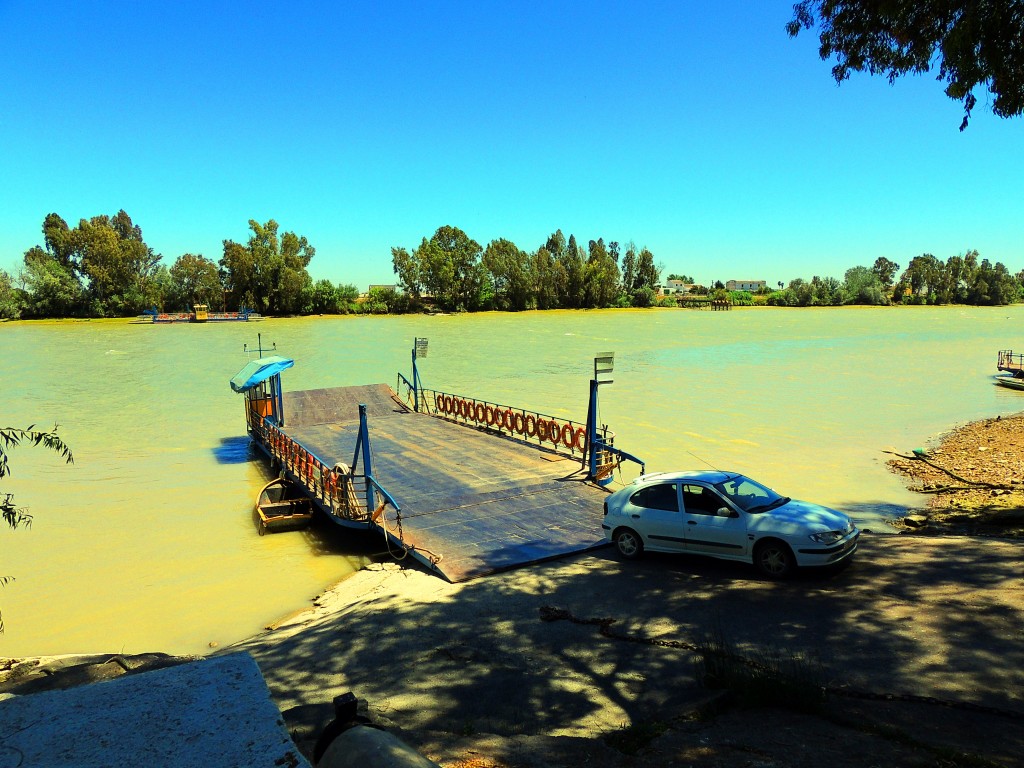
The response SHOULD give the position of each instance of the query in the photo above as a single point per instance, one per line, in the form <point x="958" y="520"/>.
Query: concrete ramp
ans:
<point x="213" y="712"/>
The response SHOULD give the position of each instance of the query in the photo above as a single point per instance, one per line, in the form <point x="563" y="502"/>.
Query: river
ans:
<point x="146" y="542"/>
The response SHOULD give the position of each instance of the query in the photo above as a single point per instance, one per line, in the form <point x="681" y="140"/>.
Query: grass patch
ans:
<point x="770" y="679"/>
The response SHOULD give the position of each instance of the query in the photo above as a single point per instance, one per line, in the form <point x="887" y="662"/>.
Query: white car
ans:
<point x="729" y="516"/>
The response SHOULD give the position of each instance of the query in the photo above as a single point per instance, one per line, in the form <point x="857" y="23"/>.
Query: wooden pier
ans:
<point x="464" y="487"/>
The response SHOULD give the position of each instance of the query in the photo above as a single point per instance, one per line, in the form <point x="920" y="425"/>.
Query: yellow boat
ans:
<point x="280" y="506"/>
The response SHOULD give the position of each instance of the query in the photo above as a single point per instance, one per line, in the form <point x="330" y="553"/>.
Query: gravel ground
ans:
<point x="973" y="478"/>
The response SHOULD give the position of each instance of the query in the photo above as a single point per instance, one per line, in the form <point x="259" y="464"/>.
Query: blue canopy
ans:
<point x="258" y="371"/>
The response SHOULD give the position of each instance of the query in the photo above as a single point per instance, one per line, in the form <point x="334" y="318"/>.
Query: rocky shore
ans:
<point x="972" y="477"/>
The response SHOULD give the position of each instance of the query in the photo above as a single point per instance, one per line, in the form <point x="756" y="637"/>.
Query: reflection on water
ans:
<point x="147" y="543"/>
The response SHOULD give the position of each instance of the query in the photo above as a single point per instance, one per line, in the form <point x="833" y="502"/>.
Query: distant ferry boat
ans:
<point x="201" y="314"/>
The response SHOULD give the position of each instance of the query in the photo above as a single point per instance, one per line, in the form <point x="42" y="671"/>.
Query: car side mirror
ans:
<point x="726" y="512"/>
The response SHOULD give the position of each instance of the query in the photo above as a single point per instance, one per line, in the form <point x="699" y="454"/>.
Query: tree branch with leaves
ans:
<point x="12" y="437"/>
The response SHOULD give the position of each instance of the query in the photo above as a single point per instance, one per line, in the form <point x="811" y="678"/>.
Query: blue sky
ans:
<point x="699" y="130"/>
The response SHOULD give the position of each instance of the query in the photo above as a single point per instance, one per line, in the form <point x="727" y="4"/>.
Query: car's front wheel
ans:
<point x="774" y="559"/>
<point x="629" y="543"/>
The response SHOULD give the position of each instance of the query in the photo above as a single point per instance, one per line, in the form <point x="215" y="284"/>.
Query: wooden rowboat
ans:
<point x="1010" y="381"/>
<point x="280" y="506"/>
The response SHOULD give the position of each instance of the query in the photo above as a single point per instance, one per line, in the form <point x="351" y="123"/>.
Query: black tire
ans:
<point x="629" y="543"/>
<point x="774" y="559"/>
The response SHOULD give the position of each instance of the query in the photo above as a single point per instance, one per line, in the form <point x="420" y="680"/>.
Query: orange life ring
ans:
<point x="438" y="401"/>
<point x="508" y="420"/>
<point x="529" y="425"/>
<point x="450" y="406"/>
<point x="519" y="423"/>
<point x="479" y="412"/>
<point x="460" y="406"/>
<point x="542" y="430"/>
<point x="567" y="435"/>
<point x="554" y="431"/>
<point x="330" y="484"/>
<point x="488" y="415"/>
<point x="579" y="439"/>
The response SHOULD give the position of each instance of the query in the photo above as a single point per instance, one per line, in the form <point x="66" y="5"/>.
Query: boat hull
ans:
<point x="281" y="507"/>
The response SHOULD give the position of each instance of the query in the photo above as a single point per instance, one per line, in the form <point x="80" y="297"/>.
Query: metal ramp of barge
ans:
<point x="482" y="501"/>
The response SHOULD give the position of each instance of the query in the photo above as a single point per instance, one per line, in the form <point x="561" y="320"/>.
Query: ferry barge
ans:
<point x="464" y="486"/>
<point x="201" y="314"/>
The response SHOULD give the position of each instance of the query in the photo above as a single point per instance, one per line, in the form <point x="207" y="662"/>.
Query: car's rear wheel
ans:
<point x="774" y="559"/>
<point x="629" y="543"/>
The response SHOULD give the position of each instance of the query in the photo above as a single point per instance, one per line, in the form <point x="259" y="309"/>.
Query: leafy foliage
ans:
<point x="11" y="437"/>
<point x="269" y="272"/>
<point x="972" y="44"/>
<point x="560" y="274"/>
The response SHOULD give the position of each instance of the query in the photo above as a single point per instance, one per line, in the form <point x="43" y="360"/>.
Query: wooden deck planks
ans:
<point x="482" y="501"/>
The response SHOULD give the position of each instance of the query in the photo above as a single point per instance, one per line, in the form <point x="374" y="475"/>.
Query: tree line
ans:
<point x="103" y="268"/>
<point x="962" y="279"/>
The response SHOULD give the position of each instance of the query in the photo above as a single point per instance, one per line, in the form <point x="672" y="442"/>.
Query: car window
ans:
<point x="749" y="495"/>
<point x="661" y="496"/>
<point x="698" y="500"/>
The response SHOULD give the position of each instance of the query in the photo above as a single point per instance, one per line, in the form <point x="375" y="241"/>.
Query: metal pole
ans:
<point x="415" y="379"/>
<point x="363" y="442"/>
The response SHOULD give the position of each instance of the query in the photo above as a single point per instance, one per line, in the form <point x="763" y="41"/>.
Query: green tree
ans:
<point x="601" y="276"/>
<point x="971" y="44"/>
<point x="629" y="269"/>
<point x="347" y="295"/>
<point x="864" y="286"/>
<point x="10" y="301"/>
<point x="511" y="272"/>
<point x="11" y="437"/>
<point x="407" y="269"/>
<point x="52" y="288"/>
<point x="194" y="280"/>
<point x="923" y="276"/>
<point x="647" y="274"/>
<point x="681" y="278"/>
<point x="447" y="267"/>
<point x="116" y="264"/>
<point x="269" y="272"/>
<point x="323" y="299"/>
<point x="993" y="285"/>
<point x="546" y="291"/>
<point x="572" y="281"/>
<point x="885" y="270"/>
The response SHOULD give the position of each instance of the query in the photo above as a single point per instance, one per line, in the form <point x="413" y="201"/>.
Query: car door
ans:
<point x="712" y="525"/>
<point x="657" y="517"/>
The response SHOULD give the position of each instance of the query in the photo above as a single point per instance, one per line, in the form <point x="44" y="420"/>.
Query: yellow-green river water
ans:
<point x="146" y="542"/>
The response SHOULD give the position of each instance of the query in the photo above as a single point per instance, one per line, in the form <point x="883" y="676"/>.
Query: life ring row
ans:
<point x="516" y="422"/>
<point x="296" y="457"/>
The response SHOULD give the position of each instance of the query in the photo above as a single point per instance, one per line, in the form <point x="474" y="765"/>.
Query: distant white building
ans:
<point x="673" y="287"/>
<point x="745" y="285"/>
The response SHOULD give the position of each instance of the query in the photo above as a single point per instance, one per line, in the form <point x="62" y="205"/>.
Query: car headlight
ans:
<point x="827" y="537"/>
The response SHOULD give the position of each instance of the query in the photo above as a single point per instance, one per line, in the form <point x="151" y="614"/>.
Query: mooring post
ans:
<point x="604" y="363"/>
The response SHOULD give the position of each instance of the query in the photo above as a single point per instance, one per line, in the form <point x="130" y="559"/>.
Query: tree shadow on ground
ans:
<point x="911" y="615"/>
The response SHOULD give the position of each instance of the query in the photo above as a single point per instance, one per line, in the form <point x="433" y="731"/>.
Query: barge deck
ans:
<point x="477" y="500"/>
<point x="461" y="489"/>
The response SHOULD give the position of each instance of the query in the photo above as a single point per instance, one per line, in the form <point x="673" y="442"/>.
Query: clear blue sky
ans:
<point x="697" y="129"/>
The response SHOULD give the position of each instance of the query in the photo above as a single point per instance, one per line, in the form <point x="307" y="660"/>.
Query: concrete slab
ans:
<point x="211" y="713"/>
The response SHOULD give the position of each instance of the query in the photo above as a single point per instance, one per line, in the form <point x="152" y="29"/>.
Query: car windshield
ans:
<point x="750" y="496"/>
